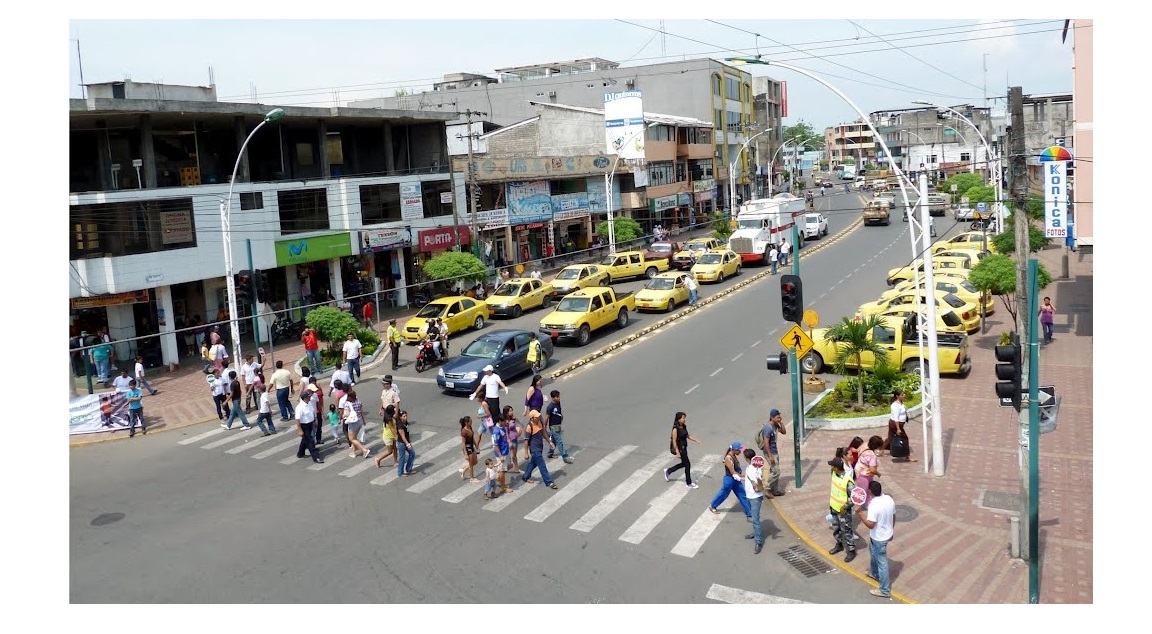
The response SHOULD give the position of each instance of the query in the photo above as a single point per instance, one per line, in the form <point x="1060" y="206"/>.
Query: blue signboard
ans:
<point x="529" y="201"/>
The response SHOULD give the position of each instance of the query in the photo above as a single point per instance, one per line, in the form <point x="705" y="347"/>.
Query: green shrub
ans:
<point x="332" y="325"/>
<point x="841" y="402"/>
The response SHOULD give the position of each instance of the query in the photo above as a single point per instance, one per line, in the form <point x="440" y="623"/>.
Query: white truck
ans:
<point x="764" y="222"/>
<point x="848" y="173"/>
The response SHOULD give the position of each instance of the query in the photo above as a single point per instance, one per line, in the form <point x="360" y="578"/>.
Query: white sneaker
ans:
<point x="366" y="452"/>
<point x="223" y="426"/>
<point x="666" y="475"/>
<point x="693" y="486"/>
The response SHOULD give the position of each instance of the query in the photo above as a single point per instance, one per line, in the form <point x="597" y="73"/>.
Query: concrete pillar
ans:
<point x="244" y="174"/>
<point x="121" y="326"/>
<point x="335" y="278"/>
<point x="148" y="152"/>
<point x="293" y="285"/>
<point x="325" y="166"/>
<point x="102" y="160"/>
<point x="396" y="267"/>
<point x="169" y="345"/>
<point x="389" y="160"/>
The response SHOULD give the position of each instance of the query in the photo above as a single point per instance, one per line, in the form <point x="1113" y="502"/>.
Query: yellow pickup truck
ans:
<point x="898" y="336"/>
<point x="627" y="264"/>
<point x="585" y="310"/>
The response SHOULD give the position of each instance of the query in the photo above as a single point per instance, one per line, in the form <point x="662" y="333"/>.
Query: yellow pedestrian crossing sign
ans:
<point x="797" y="338"/>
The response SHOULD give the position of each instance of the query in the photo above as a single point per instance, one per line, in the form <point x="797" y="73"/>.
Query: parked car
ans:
<point x="458" y="313"/>
<point x="506" y="350"/>
<point x="965" y="213"/>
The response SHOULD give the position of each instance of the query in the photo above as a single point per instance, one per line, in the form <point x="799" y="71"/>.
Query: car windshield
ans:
<point x="812" y="220"/>
<point x="709" y="258"/>
<point x="483" y="349"/>
<point x="749" y="224"/>
<point x="508" y="290"/>
<point x="661" y="248"/>
<point x="568" y="274"/>
<point x="697" y="246"/>
<point x="968" y="286"/>
<point x="574" y="305"/>
<point x="608" y="260"/>
<point x="661" y="284"/>
<point x="431" y="310"/>
<point x="953" y="301"/>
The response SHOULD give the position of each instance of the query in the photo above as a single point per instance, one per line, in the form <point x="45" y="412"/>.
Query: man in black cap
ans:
<point x="305" y="419"/>
<point x="767" y="442"/>
<point x="838" y="504"/>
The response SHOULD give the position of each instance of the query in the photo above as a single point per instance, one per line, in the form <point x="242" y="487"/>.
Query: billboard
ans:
<point x="1054" y="166"/>
<point x="624" y="124"/>
<point x="529" y="201"/>
<point x="411" y="201"/>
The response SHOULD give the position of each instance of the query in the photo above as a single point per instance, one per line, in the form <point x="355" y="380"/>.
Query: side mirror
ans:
<point x="451" y="314"/>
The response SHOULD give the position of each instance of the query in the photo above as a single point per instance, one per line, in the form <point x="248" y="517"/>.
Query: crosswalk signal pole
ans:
<point x="794" y="365"/>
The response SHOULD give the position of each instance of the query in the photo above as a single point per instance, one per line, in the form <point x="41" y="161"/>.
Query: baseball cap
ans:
<point x="758" y="462"/>
<point x="306" y="394"/>
<point x="736" y="446"/>
<point x="312" y="387"/>
<point x="488" y="368"/>
<point x="774" y="413"/>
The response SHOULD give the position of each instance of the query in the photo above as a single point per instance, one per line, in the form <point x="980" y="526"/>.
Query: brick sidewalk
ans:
<point x="956" y="548"/>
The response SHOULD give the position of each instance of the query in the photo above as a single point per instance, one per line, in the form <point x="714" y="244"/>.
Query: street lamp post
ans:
<point x="931" y="392"/>
<point x="773" y="161"/>
<point x="732" y="171"/>
<point x="608" y="188"/>
<point x="999" y="209"/>
<point x="226" y="224"/>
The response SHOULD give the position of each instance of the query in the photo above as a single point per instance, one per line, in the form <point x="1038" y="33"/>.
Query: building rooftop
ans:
<point x="533" y="71"/>
<point x="650" y="117"/>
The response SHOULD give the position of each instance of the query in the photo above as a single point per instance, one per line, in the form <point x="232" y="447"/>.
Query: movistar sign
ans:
<point x="313" y="248"/>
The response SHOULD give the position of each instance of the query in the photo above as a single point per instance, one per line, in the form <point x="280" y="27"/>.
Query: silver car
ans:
<point x="965" y="213"/>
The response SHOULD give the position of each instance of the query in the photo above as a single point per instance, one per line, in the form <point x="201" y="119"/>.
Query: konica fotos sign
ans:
<point x="1054" y="166"/>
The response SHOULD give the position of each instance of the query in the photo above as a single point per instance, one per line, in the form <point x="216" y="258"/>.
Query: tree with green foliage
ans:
<point x="854" y="339"/>
<point x="456" y="266"/>
<point x="805" y="131"/>
<point x="979" y="194"/>
<point x="721" y="226"/>
<point x="1005" y="241"/>
<point x="963" y="183"/>
<point x="624" y="229"/>
<point x="996" y="274"/>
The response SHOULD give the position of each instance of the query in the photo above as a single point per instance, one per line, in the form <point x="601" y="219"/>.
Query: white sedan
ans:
<point x="815" y="225"/>
<point x="965" y="213"/>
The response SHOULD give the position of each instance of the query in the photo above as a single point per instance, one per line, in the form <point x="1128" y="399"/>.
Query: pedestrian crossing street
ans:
<point x="598" y="487"/>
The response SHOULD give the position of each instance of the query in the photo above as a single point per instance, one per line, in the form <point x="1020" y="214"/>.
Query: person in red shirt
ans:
<point x="369" y="312"/>
<point x="312" y="350"/>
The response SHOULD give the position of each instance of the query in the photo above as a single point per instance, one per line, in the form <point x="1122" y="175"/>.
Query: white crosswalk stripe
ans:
<point x="376" y="447"/>
<point x="391" y="475"/>
<point x="208" y="434"/>
<point x="255" y="442"/>
<point x="609" y="502"/>
<point x="691" y="541"/>
<point x="295" y="442"/>
<point x="578" y="484"/>
<point x="436" y="477"/>
<point x="734" y="595"/>
<point x="663" y="504"/>
<point x="502" y="502"/>
<point x="233" y="436"/>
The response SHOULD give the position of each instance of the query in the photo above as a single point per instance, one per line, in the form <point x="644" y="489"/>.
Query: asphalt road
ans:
<point x="208" y="516"/>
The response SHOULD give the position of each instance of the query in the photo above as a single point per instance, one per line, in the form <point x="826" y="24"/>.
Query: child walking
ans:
<point x="490" y="476"/>
<point x="334" y="423"/>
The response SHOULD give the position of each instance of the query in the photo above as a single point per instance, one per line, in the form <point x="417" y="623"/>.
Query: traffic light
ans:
<point x="791" y="298"/>
<point x="263" y="288"/>
<point x="1009" y="371"/>
<point x="778" y="363"/>
<point x="243" y="285"/>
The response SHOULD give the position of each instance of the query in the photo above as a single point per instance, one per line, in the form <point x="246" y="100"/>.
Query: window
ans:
<point x="701" y="169"/>
<point x="681" y="172"/>
<point x="696" y="136"/>
<point x="884" y="336"/>
<point x="303" y="210"/>
<point x="965" y="156"/>
<point x="432" y="205"/>
<point x="379" y="203"/>
<point x="717" y="88"/>
<point x="596" y="305"/>
<point x="304" y="154"/>
<point x="523" y="339"/>
<point x="251" y="200"/>
<point x="732" y="88"/>
<point x="732" y="120"/>
<point x="130" y="228"/>
<point x="660" y="173"/>
<point x="661" y="133"/>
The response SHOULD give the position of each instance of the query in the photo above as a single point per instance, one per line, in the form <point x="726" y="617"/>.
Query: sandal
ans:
<point x="553" y="486"/>
<point x="474" y="481"/>
<point x="713" y="510"/>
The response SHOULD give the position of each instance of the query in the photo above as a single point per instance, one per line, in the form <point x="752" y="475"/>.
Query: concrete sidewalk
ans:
<point x="952" y="532"/>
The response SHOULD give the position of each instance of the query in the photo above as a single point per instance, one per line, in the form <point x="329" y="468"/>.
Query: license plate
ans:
<point x="449" y="384"/>
<point x="555" y="333"/>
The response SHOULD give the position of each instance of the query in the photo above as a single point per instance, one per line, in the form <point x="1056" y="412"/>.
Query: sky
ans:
<point x="878" y="64"/>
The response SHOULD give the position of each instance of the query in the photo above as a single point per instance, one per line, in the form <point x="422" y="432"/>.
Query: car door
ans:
<point x="532" y="294"/>
<point x="886" y="338"/>
<point x="470" y="309"/>
<point x="679" y="291"/>
<point x="596" y="312"/>
<point x="520" y="355"/>
<point x="582" y="281"/>
<point x="454" y="318"/>
<point x="634" y="264"/>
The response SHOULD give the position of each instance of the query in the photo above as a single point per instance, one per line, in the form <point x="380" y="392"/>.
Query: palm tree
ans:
<point x="854" y="339"/>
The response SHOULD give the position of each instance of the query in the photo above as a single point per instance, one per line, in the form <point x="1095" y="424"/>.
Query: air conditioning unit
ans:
<point x="552" y="93"/>
<point x="631" y="83"/>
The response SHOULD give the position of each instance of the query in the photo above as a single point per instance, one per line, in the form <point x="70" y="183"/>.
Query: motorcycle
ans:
<point x="284" y="328"/>
<point x="426" y="356"/>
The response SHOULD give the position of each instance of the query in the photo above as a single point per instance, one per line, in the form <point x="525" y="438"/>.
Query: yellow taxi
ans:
<point x="946" y="320"/>
<point x="717" y="264"/>
<point x="967" y="252"/>
<point x="941" y="263"/>
<point x="967" y="240"/>
<point x="518" y="295"/>
<point x="578" y="276"/>
<point x="968" y="312"/>
<point x="955" y="283"/>
<point x="458" y="313"/>
<point x="695" y="247"/>
<point x="663" y="292"/>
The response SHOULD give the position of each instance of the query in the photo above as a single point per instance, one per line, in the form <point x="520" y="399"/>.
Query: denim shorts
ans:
<point x="354" y="428"/>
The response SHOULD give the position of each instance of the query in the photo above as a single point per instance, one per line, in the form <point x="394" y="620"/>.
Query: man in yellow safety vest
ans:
<point x="393" y="337"/>
<point x="840" y="517"/>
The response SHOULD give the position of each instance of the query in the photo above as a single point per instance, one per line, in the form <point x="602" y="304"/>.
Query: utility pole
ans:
<point x="1018" y="188"/>
<point x="471" y="187"/>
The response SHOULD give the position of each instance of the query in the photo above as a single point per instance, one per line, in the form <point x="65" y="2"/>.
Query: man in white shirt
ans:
<point x="341" y="375"/>
<point x="491" y="385"/>
<point x="880" y="520"/>
<point x="690" y="284"/>
<point x="773" y="256"/>
<point x="140" y="380"/>
<point x="248" y="372"/>
<point x="305" y="419"/>
<point x="121" y="382"/>
<point x="754" y="491"/>
<point x="351" y="355"/>
<point x="785" y="251"/>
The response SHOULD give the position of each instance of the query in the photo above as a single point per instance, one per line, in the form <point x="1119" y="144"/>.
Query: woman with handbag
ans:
<point x="678" y="446"/>
<point x="896" y="421"/>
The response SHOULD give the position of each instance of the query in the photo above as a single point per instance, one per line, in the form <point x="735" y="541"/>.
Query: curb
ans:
<point x="574" y="365"/>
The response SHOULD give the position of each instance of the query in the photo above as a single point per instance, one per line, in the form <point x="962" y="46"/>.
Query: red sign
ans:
<point x="442" y="238"/>
<point x="783" y="99"/>
<point x="859" y="496"/>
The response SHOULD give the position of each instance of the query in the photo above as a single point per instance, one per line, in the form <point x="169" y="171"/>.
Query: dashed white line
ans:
<point x="738" y="356"/>
<point x="755" y="344"/>
<point x="718" y="371"/>
<point x="692" y="388"/>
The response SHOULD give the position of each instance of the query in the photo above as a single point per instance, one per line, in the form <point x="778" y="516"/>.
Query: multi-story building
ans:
<point x="327" y="202"/>
<point x="702" y="89"/>
<point x="852" y="141"/>
<point x="925" y="139"/>
<point x="769" y="107"/>
<point x="1082" y="138"/>
<point x="542" y="182"/>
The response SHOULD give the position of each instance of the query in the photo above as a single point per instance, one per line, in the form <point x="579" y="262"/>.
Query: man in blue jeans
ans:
<point x="534" y="450"/>
<point x="879" y="520"/>
<point x="733" y="481"/>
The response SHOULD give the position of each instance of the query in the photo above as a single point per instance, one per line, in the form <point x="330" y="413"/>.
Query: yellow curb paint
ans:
<point x="838" y="563"/>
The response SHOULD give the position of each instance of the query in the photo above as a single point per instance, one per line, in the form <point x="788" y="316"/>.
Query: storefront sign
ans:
<point x="445" y="198"/>
<point x="372" y="240"/>
<point x="531" y="225"/>
<point x="411" y="201"/>
<point x="683" y="199"/>
<point x="596" y="202"/>
<point x="1054" y="165"/>
<point x="703" y="185"/>
<point x="529" y="201"/>
<point x="442" y="238"/>
<point x="662" y="203"/>
<point x="313" y="249"/>
<point x="175" y="227"/>
<point x="492" y="219"/>
<point x="569" y="206"/>
<point x="119" y="299"/>
<point x="704" y="196"/>
<point x="500" y="169"/>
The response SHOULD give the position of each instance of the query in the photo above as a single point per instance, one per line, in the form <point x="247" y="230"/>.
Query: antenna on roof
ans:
<point x="211" y="76"/>
<point x="663" y="42"/>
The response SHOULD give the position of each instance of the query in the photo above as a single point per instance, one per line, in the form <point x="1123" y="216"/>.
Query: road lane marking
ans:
<point x="278" y="448"/>
<point x="692" y="388"/>
<point x="207" y="434"/>
<point x="431" y="453"/>
<point x="608" y="503"/>
<point x="255" y="443"/>
<point x="391" y="475"/>
<point x="738" y="356"/>
<point x="699" y="532"/>
<point x="663" y="504"/>
<point x="226" y="440"/>
<point x="725" y="594"/>
<point x="755" y="344"/>
<point x="461" y="494"/>
<point x="718" y="371"/>
<point x="502" y="502"/>
<point x="578" y="484"/>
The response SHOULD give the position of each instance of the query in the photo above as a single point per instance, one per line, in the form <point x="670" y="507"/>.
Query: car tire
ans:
<point x="720" y="277"/>
<point x="671" y="306"/>
<point x="739" y="269"/>
<point x="479" y="323"/>
<point x="546" y="302"/>
<point x="651" y="272"/>
<point x="583" y="336"/>
<point x="812" y="363"/>
<point x="516" y="312"/>
<point x="912" y="366"/>
<point x="543" y="361"/>
<point x="607" y="281"/>
<point x="622" y="318"/>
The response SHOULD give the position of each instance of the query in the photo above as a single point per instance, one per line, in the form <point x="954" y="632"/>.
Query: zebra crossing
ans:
<point x="586" y="485"/>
